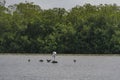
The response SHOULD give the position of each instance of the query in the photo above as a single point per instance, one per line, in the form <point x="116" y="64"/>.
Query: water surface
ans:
<point x="17" y="67"/>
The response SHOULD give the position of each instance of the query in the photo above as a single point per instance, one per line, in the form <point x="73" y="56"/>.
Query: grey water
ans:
<point x="17" y="67"/>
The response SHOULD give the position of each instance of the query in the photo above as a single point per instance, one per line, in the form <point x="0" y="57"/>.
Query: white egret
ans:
<point x="54" y="55"/>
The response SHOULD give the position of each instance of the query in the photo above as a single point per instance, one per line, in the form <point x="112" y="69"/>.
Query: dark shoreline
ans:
<point x="59" y="54"/>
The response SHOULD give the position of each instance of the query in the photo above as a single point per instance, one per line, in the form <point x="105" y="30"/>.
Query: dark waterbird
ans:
<point x="54" y="61"/>
<point x="28" y="60"/>
<point x="74" y="61"/>
<point x="40" y="60"/>
<point x="48" y="60"/>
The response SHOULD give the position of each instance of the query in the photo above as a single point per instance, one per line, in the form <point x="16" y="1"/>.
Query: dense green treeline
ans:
<point x="26" y="28"/>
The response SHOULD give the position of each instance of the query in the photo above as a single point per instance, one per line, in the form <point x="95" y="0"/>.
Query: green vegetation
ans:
<point x="26" y="28"/>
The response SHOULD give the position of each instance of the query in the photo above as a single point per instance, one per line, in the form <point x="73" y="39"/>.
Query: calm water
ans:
<point x="17" y="67"/>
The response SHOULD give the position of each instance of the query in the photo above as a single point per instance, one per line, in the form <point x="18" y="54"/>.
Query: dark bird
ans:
<point x="40" y="60"/>
<point x="28" y="60"/>
<point x="54" y="61"/>
<point x="48" y="60"/>
<point x="74" y="61"/>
